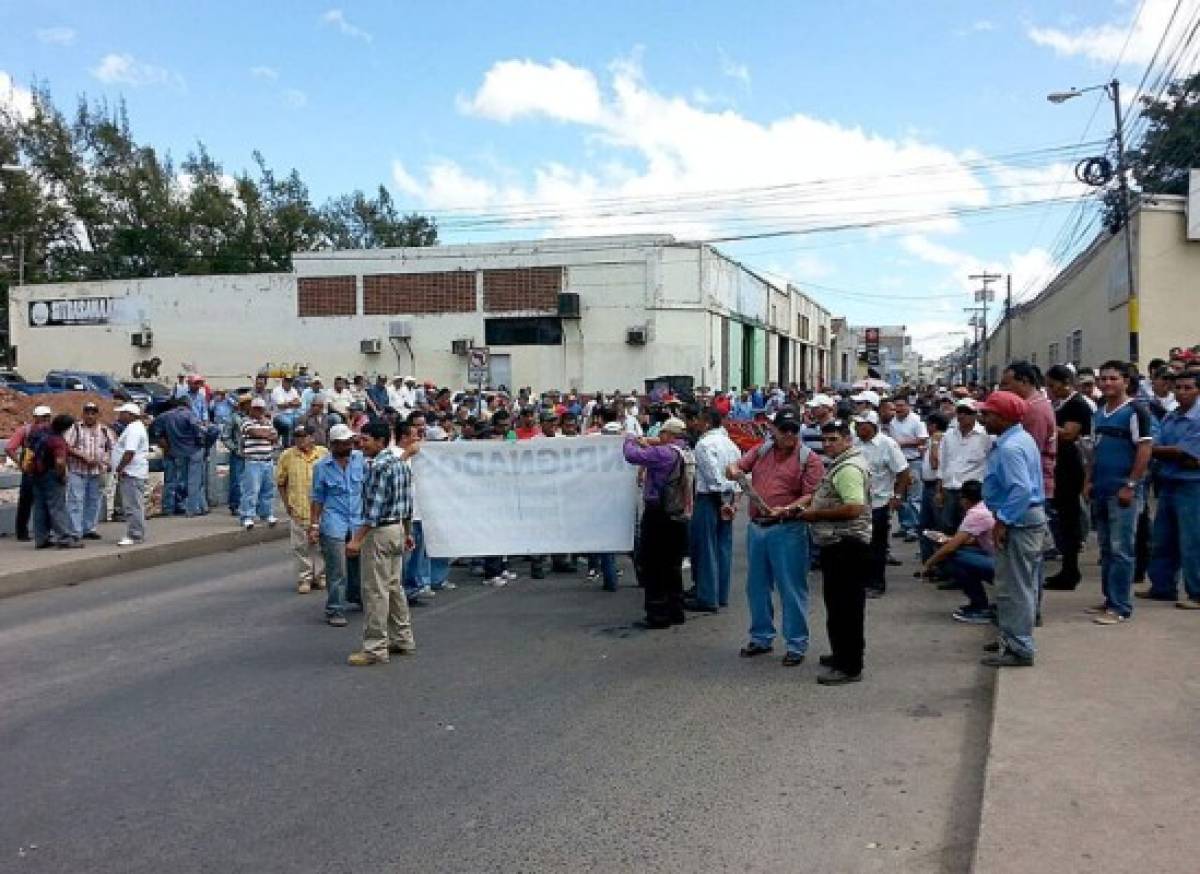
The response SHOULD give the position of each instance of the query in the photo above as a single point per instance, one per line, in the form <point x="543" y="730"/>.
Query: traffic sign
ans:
<point x="479" y="361"/>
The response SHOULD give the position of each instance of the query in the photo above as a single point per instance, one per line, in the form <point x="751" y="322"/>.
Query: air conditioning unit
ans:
<point x="568" y="305"/>
<point x="636" y="336"/>
<point x="142" y="339"/>
<point x="370" y="347"/>
<point x="400" y="330"/>
<point x="461" y="346"/>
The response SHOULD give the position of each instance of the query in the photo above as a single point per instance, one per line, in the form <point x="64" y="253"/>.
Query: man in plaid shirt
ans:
<point x="385" y="535"/>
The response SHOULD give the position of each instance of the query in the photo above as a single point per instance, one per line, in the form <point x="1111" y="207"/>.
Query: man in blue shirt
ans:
<point x="335" y="515"/>
<point x="1177" y="474"/>
<point x="1123" y="445"/>
<point x="186" y="439"/>
<point x="1014" y="493"/>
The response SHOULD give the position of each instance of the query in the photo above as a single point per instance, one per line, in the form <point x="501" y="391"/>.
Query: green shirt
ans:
<point x="850" y="485"/>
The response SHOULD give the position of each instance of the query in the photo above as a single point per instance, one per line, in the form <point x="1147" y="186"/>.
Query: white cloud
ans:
<point x="295" y="98"/>
<point x="733" y="69"/>
<point x="125" y="69"/>
<point x="14" y="98"/>
<point x="558" y="90"/>
<point x="56" y="36"/>
<point x="337" y="18"/>
<point x="1103" y="42"/>
<point x="264" y="72"/>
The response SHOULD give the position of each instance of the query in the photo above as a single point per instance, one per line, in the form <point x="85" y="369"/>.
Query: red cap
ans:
<point x="1006" y="405"/>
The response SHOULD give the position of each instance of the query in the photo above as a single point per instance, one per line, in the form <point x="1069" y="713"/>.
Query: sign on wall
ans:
<point x="478" y="365"/>
<point x="70" y="311"/>
<point x="871" y="341"/>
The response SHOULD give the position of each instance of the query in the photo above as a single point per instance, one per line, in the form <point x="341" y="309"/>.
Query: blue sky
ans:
<point x="501" y="110"/>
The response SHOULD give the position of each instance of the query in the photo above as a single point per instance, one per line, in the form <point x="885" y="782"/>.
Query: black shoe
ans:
<point x="874" y="593"/>
<point x="694" y="606"/>
<point x="948" y="586"/>
<point x="648" y="625"/>
<point x="1062" y="583"/>
<point x="70" y="544"/>
<point x="834" y="677"/>
<point x="994" y="646"/>
<point x="826" y="661"/>
<point x="678" y="619"/>
<point x="91" y="535"/>
<point x="1006" y="660"/>
<point x="23" y="538"/>
<point x="752" y="649"/>
<point x="896" y="535"/>
<point x="894" y="562"/>
<point x="792" y="659"/>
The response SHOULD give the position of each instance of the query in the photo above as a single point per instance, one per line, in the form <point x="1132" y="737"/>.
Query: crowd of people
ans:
<point x="988" y="486"/>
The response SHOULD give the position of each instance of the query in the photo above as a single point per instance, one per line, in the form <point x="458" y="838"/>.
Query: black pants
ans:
<point x="876" y="576"/>
<point x="1069" y="510"/>
<point x="845" y="566"/>
<point x="24" y="506"/>
<point x="663" y="546"/>
<point x="1141" y="546"/>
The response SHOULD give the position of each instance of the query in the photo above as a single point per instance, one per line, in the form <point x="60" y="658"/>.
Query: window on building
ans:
<point x="1076" y="347"/>
<point x="823" y="336"/>
<point x="527" y="331"/>
<point x="1052" y="358"/>
<point x="803" y="327"/>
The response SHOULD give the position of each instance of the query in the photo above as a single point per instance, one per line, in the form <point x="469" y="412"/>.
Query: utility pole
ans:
<point x="1008" y="320"/>
<point x="984" y="296"/>
<point x="975" y="322"/>
<point x="1114" y="91"/>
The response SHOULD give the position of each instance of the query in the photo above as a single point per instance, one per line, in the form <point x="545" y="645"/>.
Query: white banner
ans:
<point x="562" y="494"/>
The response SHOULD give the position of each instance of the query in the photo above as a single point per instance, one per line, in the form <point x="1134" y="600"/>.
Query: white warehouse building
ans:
<point x="585" y="314"/>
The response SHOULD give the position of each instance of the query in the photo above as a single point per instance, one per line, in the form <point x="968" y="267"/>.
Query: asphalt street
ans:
<point x="200" y="717"/>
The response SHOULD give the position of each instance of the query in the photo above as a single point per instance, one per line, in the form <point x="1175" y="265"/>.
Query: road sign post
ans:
<point x="479" y="366"/>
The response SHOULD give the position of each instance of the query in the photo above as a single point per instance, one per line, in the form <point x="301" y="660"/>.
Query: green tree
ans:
<point x="1171" y="144"/>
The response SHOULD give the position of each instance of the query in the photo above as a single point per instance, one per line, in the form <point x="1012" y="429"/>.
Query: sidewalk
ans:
<point x="1092" y="764"/>
<point x="24" y="569"/>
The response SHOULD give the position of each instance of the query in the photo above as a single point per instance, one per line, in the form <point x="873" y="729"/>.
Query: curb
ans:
<point x="988" y="774"/>
<point x="91" y="564"/>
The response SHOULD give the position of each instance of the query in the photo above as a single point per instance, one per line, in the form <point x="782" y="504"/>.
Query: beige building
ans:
<point x="1082" y="316"/>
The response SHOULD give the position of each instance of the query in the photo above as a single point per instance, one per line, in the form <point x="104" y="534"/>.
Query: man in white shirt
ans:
<point x="911" y="435"/>
<point x="711" y="528"/>
<point x="890" y="479"/>
<point x="341" y="398"/>
<point x="962" y="457"/>
<point x="316" y="386"/>
<point x="285" y="408"/>
<point x="632" y="424"/>
<point x="131" y="464"/>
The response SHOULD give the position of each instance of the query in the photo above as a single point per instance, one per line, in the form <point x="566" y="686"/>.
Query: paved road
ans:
<point x="200" y="717"/>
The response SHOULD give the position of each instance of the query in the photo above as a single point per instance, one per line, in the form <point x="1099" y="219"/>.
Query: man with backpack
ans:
<point x="46" y="460"/>
<point x="784" y="476"/>
<point x="667" y="493"/>
<point x="17" y="453"/>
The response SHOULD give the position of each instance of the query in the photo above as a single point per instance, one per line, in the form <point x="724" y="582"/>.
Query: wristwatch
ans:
<point x="1131" y="484"/>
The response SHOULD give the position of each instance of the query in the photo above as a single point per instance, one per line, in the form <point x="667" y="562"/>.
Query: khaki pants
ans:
<point x="308" y="557"/>
<point x="385" y="608"/>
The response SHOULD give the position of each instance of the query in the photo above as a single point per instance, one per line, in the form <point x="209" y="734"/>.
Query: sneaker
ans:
<point x="336" y="621"/>
<point x="128" y="541"/>
<point x="509" y="575"/>
<point x="1110" y="617"/>
<point x="498" y="582"/>
<point x="248" y="524"/>
<point x="426" y="592"/>
<point x="791" y="659"/>
<point x="1006" y="660"/>
<point x="994" y="646"/>
<point x="753" y="649"/>
<point x="303" y="588"/>
<point x="973" y="616"/>
<point x="318" y="585"/>
<point x="1098" y="609"/>
<point x="1187" y="604"/>
<point x="593" y="574"/>
<point x="687" y="563"/>
<point x="272" y="521"/>
<point x="362" y="659"/>
<point x="91" y="535"/>
<point x="834" y="677"/>
<point x="447" y="586"/>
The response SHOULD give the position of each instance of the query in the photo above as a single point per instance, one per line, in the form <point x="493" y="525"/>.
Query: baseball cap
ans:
<point x="965" y="404"/>
<point x="821" y="400"/>
<point x="301" y="431"/>
<point x="91" y="405"/>
<point x="868" y="418"/>
<point x="340" y="432"/>
<point x="785" y="420"/>
<point x="42" y="411"/>
<point x="675" y="426"/>
<point x="866" y="397"/>
<point x="1006" y="405"/>
<point x="258" y="402"/>
<point x="133" y="409"/>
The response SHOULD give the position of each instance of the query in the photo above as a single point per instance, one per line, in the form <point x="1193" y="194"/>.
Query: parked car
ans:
<point x="82" y="380"/>
<point x="8" y="377"/>
<point x="153" y="397"/>
<point x="13" y="381"/>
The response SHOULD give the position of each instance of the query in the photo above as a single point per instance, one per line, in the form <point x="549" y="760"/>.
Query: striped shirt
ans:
<point x="95" y="442"/>
<point x="387" y="491"/>
<point x="255" y="446"/>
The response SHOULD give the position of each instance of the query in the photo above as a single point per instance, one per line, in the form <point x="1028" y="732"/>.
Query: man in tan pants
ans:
<point x="386" y="534"/>
<point x="293" y="477"/>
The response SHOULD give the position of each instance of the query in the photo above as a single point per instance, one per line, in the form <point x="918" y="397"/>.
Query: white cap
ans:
<point x="42" y="411"/>
<point x="611" y="428"/>
<point x="133" y="409"/>
<point x="821" y="400"/>
<point x="866" y="397"/>
<point x="674" y="426"/>
<point x="967" y="403"/>
<point x="340" y="432"/>
<point x="869" y="416"/>
<point x="258" y="402"/>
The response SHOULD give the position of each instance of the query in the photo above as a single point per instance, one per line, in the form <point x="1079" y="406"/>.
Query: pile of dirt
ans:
<point x="16" y="409"/>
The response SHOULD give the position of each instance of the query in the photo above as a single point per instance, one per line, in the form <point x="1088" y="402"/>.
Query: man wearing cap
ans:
<point x="285" y="408"/>
<point x="293" y="478"/>
<point x="866" y="401"/>
<point x="131" y="467"/>
<point x="197" y="397"/>
<point x="315" y="387"/>
<point x="89" y="445"/>
<point x="335" y="514"/>
<point x="962" y="457"/>
<point x="16" y="451"/>
<point x="382" y="539"/>
<point x="819" y="412"/>
<point x="663" y="541"/>
<point x="911" y="435"/>
<point x="784" y="475"/>
<point x="340" y="398"/>
<point x="231" y="436"/>
<point x="889" y="482"/>
<point x="184" y="437"/>
<point x="1013" y="491"/>
<point x="1025" y="381"/>
<point x="259" y="439"/>
<point x="632" y="423"/>
<point x="710" y="533"/>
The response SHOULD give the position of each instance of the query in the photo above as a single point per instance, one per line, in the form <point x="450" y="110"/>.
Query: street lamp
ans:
<point x="1113" y="91"/>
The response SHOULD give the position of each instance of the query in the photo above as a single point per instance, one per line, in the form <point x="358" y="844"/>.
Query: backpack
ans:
<point x="37" y="457"/>
<point x="679" y="491"/>
<point x="802" y="451"/>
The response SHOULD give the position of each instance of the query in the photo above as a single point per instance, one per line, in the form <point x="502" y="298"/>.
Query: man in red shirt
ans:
<point x="527" y="426"/>
<point x="51" y="523"/>
<point x="1025" y="381"/>
<point x="14" y="449"/>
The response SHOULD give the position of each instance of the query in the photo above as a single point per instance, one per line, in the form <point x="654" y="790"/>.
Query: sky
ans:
<point x="876" y="153"/>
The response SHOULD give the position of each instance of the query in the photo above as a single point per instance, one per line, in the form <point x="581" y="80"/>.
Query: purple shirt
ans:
<point x="659" y="461"/>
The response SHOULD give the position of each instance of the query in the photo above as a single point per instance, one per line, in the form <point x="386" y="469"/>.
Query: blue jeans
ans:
<point x="929" y="518"/>
<point x="778" y="559"/>
<point x="909" y="514"/>
<point x="416" y="569"/>
<point x="183" y="486"/>
<point x="1176" y="540"/>
<point x="971" y="568"/>
<point x="51" y="523"/>
<point x="258" y="489"/>
<point x="237" y="465"/>
<point x="83" y="502"/>
<point x="711" y="546"/>
<point x="1019" y="566"/>
<point x="439" y="573"/>
<point x="1116" y="529"/>
<point x="341" y="576"/>
<point x="606" y="563"/>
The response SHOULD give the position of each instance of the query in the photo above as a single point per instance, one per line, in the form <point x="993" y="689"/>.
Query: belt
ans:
<point x="767" y="523"/>
<point x="384" y="523"/>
